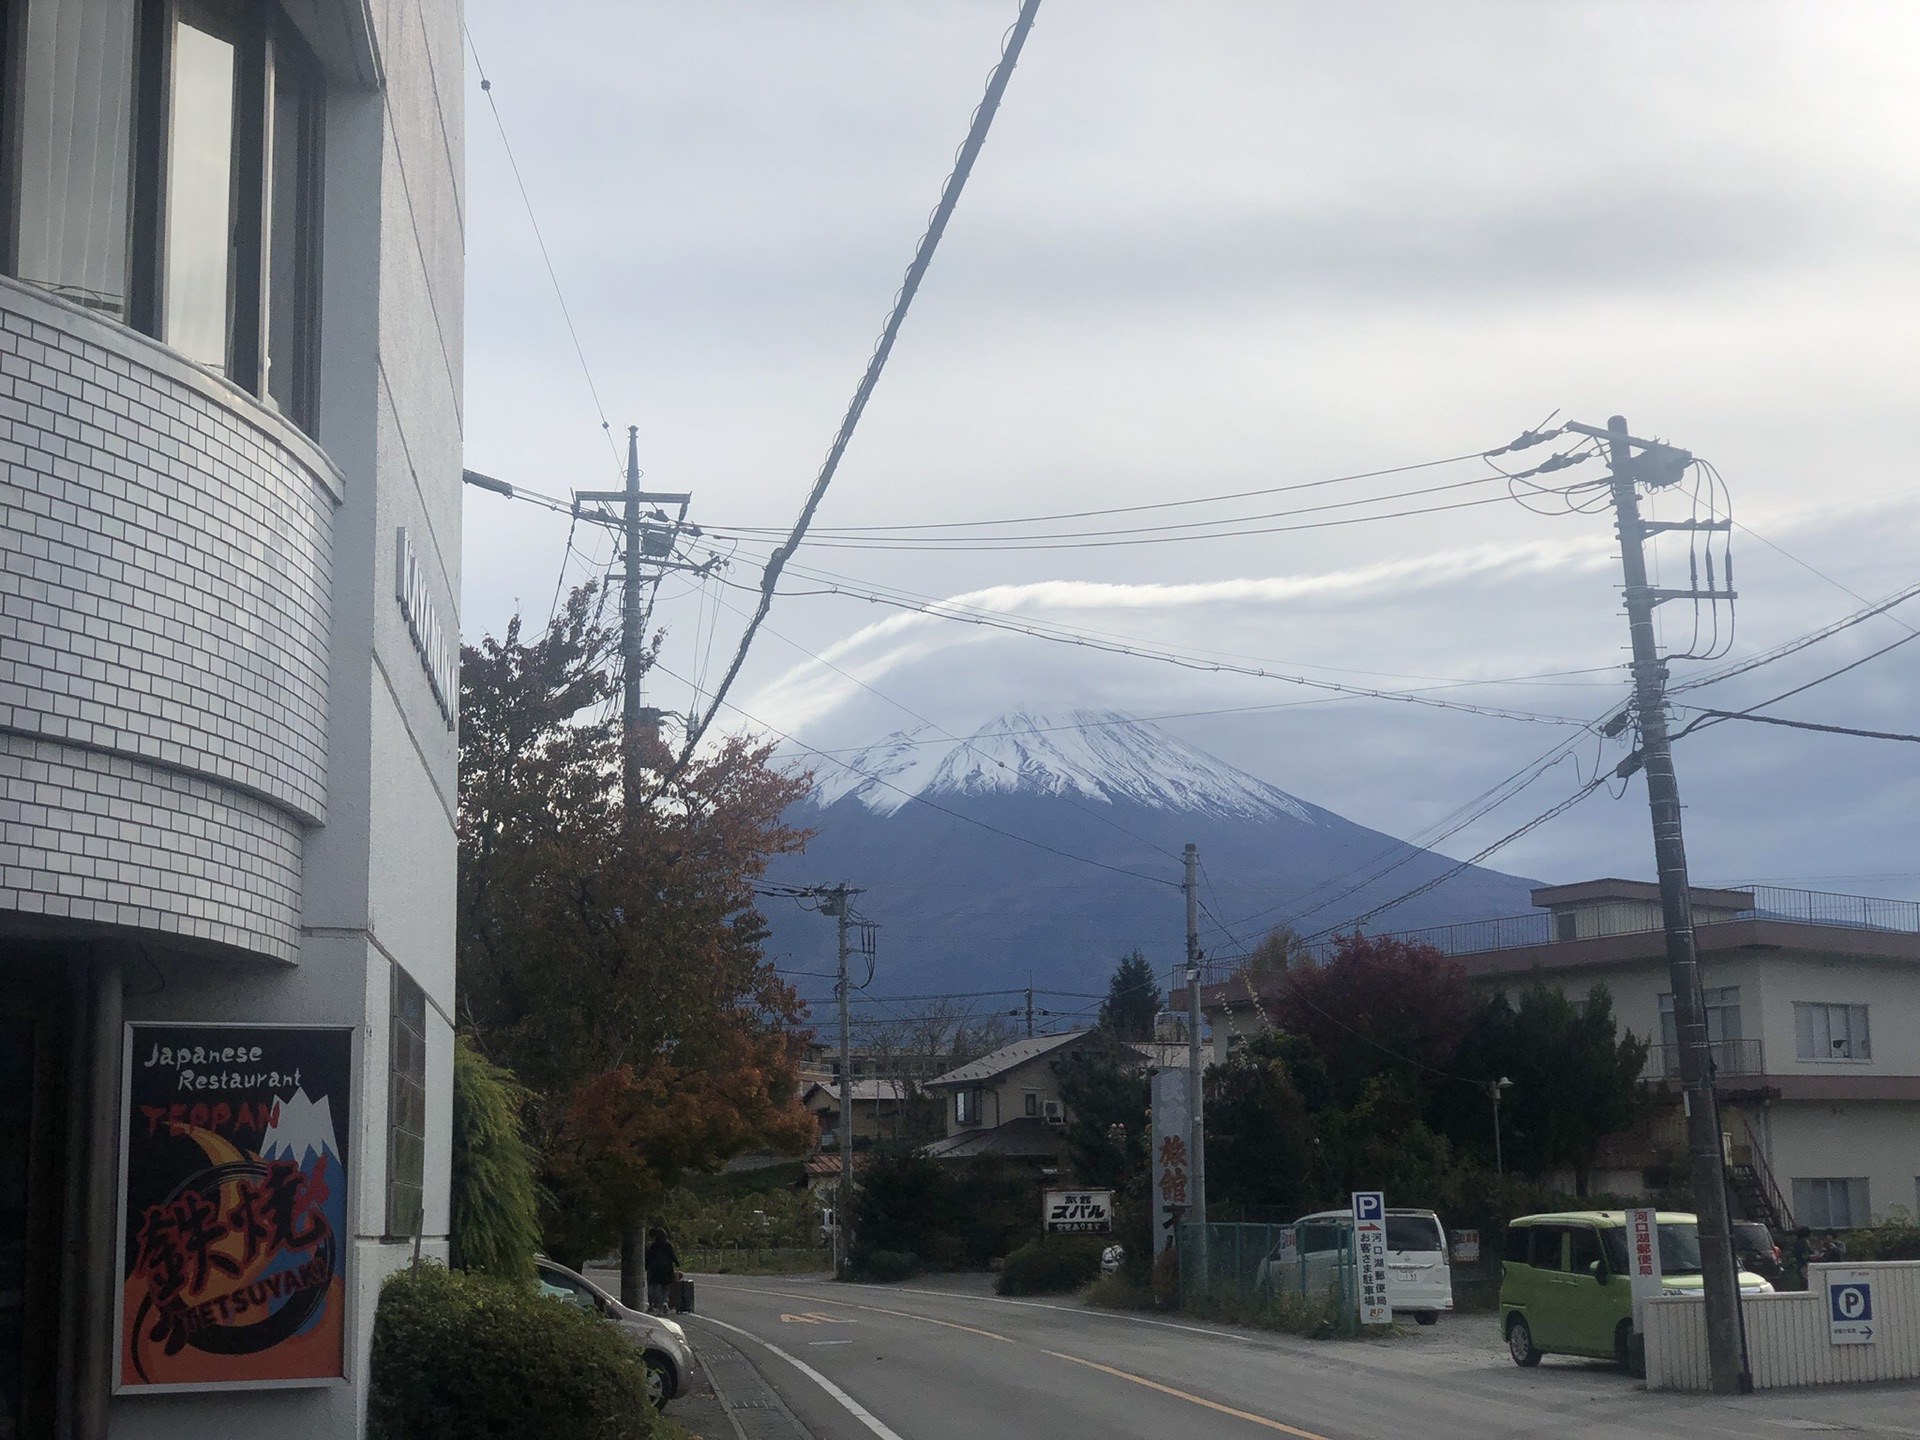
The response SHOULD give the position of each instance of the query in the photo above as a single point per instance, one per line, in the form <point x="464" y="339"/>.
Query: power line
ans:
<point x="916" y="271"/>
<point x="486" y="88"/>
<point x="1793" y="647"/>
<point x="1718" y="715"/>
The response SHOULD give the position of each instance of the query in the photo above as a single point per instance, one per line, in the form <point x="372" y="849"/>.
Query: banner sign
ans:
<point x="1370" y="1257"/>
<point x="1077" y="1211"/>
<point x="1466" y="1247"/>
<point x="1169" y="1172"/>
<point x="233" y="1224"/>
<point x="1643" y="1262"/>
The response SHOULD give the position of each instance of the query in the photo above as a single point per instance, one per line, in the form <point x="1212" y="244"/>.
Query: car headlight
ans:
<point x="672" y="1327"/>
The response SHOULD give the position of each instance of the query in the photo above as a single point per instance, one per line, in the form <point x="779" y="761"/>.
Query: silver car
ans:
<point x="663" y="1344"/>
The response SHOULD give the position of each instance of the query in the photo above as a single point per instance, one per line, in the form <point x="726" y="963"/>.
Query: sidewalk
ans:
<point x="729" y="1398"/>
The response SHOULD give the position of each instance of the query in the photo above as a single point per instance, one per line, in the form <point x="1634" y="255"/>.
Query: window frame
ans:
<point x="967" y="1105"/>
<point x="1859" y="1052"/>
<point x="269" y="51"/>
<point x="403" y="988"/>
<point x="1852" y="1189"/>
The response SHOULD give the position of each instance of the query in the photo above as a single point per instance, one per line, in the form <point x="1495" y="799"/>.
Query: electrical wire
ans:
<point x="486" y="88"/>
<point x="981" y="122"/>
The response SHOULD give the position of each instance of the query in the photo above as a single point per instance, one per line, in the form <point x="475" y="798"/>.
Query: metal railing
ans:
<point x="1730" y="1057"/>
<point x="1511" y="932"/>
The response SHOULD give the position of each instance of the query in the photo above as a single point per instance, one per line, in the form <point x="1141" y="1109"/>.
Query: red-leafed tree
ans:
<point x="611" y="956"/>
<point x="1379" y="1006"/>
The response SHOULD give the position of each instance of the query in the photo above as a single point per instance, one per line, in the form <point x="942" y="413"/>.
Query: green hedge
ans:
<point x="495" y="1200"/>
<point x="468" y="1357"/>
<point x="1051" y="1265"/>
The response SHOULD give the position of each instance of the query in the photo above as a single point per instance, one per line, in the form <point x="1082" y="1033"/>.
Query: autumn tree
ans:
<point x="610" y="953"/>
<point x="1379" y="1005"/>
<point x="1133" y="999"/>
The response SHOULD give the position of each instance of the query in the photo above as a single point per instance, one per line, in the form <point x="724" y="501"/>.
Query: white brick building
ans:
<point x="230" y="414"/>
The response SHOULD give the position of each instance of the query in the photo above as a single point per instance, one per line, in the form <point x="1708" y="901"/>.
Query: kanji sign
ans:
<point x="1172" y="1115"/>
<point x="1370" y="1257"/>
<point x="1643" y="1261"/>
<point x="1085" y="1211"/>
<point x="1849" y="1307"/>
<point x="233" y="1233"/>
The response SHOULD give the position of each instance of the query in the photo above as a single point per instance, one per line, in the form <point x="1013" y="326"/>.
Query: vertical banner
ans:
<point x="1643" y="1262"/>
<point x="1172" y="1125"/>
<point x="1370" y="1257"/>
<point x="233" y="1225"/>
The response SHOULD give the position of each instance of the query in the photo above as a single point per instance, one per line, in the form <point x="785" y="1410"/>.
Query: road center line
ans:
<point x="1056" y="1354"/>
<point x="852" y="1406"/>
<point x="1186" y="1395"/>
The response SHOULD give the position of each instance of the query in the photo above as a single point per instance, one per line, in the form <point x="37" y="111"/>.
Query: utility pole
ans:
<point x="1658" y="465"/>
<point x="1197" y="1143"/>
<point x="833" y="901"/>
<point x="1029" y="1010"/>
<point x="648" y="536"/>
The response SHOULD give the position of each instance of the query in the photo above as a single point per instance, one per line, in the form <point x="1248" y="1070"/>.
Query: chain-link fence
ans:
<point x="1258" y="1275"/>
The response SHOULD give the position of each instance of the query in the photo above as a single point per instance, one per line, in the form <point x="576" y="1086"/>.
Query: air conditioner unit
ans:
<point x="1054" y="1114"/>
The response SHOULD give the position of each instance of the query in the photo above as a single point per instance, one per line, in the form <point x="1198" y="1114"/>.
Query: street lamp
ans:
<point x="1494" y="1087"/>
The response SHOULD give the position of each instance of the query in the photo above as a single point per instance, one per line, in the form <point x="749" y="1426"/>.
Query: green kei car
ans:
<point x="1565" y="1290"/>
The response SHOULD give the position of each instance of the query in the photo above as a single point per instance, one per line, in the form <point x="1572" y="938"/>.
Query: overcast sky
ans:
<point x="1216" y="247"/>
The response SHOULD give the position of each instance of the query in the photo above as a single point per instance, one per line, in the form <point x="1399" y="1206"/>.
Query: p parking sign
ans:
<point x="1370" y="1257"/>
<point x="1850" y="1307"/>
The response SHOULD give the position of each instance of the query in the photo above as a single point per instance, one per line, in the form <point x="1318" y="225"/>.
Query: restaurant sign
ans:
<point x="233" y="1231"/>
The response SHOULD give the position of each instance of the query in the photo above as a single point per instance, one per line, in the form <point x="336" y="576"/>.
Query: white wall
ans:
<point x="1877" y="1139"/>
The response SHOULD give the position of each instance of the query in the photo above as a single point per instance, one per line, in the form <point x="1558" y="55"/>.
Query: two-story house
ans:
<point x="1813" y="1014"/>
<point x="1006" y="1103"/>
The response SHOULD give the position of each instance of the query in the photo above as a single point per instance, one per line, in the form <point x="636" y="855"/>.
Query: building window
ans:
<point x="1832" y="1204"/>
<point x="1831" y="1032"/>
<point x="966" y="1107"/>
<point x="406" y="1106"/>
<point x="1566" y="925"/>
<point x="162" y="168"/>
<point x="1033" y="1102"/>
<point x="1722" y="1008"/>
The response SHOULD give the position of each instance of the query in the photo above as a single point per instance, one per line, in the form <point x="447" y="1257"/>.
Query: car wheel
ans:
<point x="1520" y="1342"/>
<point x="1427" y="1317"/>
<point x="1631" y="1357"/>
<point x="659" y="1378"/>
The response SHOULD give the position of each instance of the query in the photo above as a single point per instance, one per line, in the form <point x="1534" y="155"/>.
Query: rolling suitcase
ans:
<point x="680" y="1296"/>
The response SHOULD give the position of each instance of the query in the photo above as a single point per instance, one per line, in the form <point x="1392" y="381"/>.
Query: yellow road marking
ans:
<point x="905" y="1315"/>
<point x="1186" y="1395"/>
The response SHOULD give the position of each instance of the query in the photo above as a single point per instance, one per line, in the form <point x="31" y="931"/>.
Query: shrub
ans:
<point x="495" y="1207"/>
<point x="1051" y="1265"/>
<point x="1890" y="1240"/>
<point x="1115" y="1290"/>
<point x="470" y="1357"/>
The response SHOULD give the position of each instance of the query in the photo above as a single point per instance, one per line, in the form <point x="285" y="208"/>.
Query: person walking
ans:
<point x="663" y="1265"/>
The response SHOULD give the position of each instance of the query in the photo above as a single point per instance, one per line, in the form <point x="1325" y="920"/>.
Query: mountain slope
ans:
<point x="1046" y="848"/>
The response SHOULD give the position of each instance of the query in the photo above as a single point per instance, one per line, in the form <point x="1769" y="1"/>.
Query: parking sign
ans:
<point x="1850" y="1307"/>
<point x="1370" y="1257"/>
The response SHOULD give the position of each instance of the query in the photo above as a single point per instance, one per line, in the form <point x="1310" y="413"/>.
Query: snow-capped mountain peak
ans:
<point x="1097" y="755"/>
<point x="303" y="1127"/>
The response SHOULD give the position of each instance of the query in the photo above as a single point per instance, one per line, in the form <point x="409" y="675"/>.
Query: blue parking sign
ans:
<point x="1369" y="1205"/>
<point x="1850" y="1307"/>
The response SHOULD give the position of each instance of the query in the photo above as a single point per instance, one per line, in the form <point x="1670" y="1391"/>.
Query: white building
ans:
<point x="230" y="414"/>
<point x="1813" y="1013"/>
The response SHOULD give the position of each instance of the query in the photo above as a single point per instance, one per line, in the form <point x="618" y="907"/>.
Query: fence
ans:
<point x="1249" y="1273"/>
<point x="1789" y="1336"/>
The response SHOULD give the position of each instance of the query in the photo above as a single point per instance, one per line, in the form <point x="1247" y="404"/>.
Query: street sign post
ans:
<point x="1170" y="1173"/>
<point x="1850" y="1307"/>
<point x="1643" y="1262"/>
<point x="1370" y="1257"/>
<point x="1086" y="1212"/>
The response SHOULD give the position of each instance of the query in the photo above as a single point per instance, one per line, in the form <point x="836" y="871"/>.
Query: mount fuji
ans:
<point x="1042" y="848"/>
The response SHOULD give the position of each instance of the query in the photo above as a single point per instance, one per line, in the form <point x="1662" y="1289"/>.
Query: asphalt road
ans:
<point x="799" y="1357"/>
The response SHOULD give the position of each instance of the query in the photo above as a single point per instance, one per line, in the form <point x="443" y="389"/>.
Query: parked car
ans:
<point x="1419" y="1279"/>
<point x="1753" y="1247"/>
<point x="1565" y="1288"/>
<point x="662" y="1343"/>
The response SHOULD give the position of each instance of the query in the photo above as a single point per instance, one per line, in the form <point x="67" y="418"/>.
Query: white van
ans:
<point x="1419" y="1282"/>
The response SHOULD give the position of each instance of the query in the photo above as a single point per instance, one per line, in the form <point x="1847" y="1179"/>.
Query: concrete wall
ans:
<point x="1788" y="1336"/>
<point x="1877" y="1140"/>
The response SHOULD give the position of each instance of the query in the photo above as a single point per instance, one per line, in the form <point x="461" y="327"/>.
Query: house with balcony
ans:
<point x="1812" y="1004"/>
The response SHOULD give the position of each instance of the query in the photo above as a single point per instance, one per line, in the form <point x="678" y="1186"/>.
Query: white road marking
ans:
<point x="852" y="1406"/>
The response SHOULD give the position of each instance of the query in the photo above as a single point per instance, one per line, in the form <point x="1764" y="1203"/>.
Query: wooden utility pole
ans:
<point x="1197" y="1141"/>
